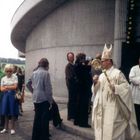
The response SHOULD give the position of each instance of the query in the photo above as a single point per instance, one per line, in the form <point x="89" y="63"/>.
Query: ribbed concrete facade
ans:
<point x="70" y="25"/>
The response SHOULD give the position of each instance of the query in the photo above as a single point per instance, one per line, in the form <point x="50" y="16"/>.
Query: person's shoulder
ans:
<point x="14" y="76"/>
<point x="135" y="67"/>
<point x="116" y="70"/>
<point x="43" y="71"/>
<point x="40" y="71"/>
<point x="68" y="65"/>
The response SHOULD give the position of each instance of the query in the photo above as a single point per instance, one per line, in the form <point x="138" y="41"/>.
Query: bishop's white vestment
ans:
<point x="113" y="112"/>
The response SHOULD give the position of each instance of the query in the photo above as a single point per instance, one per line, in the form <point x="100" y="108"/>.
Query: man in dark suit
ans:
<point x="71" y="85"/>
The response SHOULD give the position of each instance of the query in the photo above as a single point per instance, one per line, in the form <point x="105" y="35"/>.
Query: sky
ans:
<point x="7" y="9"/>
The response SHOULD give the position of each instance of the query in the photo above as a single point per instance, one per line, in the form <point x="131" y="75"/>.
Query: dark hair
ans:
<point x="19" y="70"/>
<point x="80" y="57"/>
<point x="68" y="55"/>
<point x="15" y="68"/>
<point x="43" y="63"/>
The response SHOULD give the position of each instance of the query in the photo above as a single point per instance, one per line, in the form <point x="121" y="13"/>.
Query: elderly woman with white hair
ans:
<point x="9" y="103"/>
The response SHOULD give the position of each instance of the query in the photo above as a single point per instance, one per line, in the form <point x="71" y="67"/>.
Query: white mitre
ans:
<point x="107" y="53"/>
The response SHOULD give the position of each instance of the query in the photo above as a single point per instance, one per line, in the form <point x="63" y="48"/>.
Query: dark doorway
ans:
<point x="130" y="55"/>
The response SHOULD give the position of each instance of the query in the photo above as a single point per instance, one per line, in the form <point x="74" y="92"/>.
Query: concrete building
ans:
<point x="51" y="28"/>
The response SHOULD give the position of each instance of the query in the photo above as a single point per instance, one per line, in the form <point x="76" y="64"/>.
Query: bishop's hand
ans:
<point x="112" y="87"/>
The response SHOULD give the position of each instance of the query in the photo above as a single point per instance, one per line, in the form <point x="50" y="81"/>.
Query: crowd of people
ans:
<point x="79" y="82"/>
<point x="113" y="97"/>
<point x="95" y="87"/>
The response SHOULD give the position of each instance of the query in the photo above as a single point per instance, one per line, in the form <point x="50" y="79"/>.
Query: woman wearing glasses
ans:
<point x="9" y="103"/>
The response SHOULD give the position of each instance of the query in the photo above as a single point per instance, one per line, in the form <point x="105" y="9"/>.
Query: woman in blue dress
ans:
<point x="9" y="102"/>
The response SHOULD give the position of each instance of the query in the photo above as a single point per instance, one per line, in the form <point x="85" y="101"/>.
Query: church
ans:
<point x="51" y="28"/>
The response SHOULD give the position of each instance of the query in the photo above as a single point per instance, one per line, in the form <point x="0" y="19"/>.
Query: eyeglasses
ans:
<point x="104" y="60"/>
<point x="8" y="71"/>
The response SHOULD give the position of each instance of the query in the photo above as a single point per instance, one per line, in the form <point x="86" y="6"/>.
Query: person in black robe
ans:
<point x="84" y="78"/>
<point x="71" y="85"/>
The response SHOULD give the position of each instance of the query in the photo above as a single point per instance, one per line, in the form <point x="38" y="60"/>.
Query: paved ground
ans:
<point x="24" y="126"/>
<point x="67" y="132"/>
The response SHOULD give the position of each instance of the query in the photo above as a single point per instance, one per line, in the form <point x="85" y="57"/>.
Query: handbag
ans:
<point x="18" y="96"/>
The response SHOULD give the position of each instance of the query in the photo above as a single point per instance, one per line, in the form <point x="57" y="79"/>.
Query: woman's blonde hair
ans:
<point x="8" y="66"/>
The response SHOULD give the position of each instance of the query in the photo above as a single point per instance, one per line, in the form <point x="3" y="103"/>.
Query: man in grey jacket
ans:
<point x="42" y="99"/>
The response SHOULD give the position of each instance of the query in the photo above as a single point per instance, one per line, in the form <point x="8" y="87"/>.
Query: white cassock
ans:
<point x="113" y="113"/>
<point x="93" y="94"/>
<point x="134" y="77"/>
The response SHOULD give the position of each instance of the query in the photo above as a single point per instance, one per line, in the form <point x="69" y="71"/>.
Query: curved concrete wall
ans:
<point x="78" y="26"/>
<point x="27" y="16"/>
